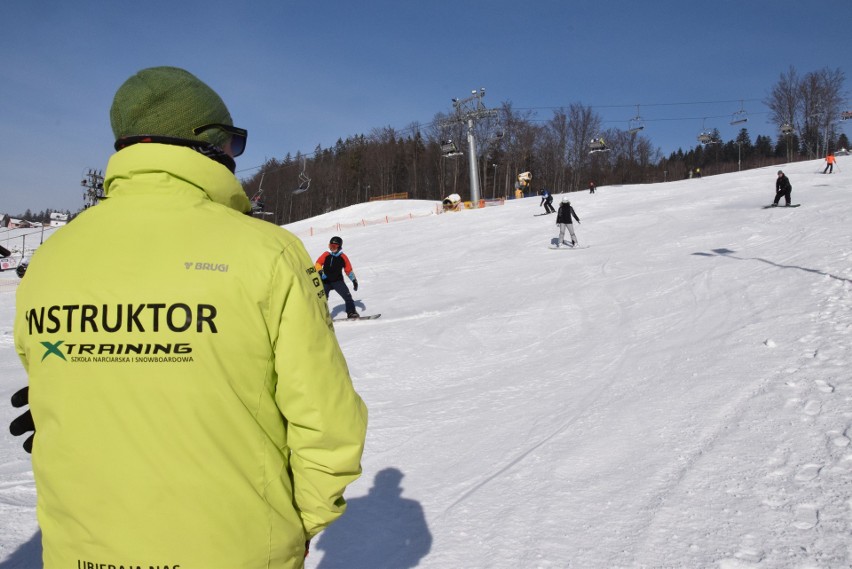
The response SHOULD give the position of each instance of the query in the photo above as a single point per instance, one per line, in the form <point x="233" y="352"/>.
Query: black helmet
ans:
<point x="336" y="241"/>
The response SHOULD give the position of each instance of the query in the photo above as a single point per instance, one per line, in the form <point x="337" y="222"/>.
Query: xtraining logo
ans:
<point x="87" y="326"/>
<point x="52" y="348"/>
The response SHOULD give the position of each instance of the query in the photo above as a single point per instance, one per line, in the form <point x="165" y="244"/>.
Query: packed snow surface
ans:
<point x="678" y="394"/>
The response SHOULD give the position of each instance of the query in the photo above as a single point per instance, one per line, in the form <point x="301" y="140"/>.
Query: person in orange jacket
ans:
<point x="829" y="163"/>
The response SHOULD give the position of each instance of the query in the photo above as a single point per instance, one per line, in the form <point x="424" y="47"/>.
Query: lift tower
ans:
<point x="469" y="111"/>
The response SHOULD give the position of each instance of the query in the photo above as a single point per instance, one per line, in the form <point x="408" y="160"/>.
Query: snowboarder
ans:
<point x="546" y="201"/>
<point x="563" y="221"/>
<point x="332" y="265"/>
<point x="829" y="163"/>
<point x="592" y="187"/>
<point x="782" y="188"/>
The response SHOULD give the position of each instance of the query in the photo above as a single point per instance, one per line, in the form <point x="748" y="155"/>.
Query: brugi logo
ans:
<point x="220" y="267"/>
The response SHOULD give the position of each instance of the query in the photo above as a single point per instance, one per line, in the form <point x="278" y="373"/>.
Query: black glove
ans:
<point x="23" y="424"/>
<point x="355" y="284"/>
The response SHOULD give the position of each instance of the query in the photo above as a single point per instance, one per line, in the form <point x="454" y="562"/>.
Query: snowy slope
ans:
<point x="676" y="395"/>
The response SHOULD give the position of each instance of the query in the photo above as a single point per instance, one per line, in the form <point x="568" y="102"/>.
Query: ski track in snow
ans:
<point x="793" y="490"/>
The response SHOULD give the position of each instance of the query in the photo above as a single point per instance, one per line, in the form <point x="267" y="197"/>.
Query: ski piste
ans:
<point x="781" y="206"/>
<point x="363" y="317"/>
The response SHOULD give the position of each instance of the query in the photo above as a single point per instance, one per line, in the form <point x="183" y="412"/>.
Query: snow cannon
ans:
<point x="453" y="202"/>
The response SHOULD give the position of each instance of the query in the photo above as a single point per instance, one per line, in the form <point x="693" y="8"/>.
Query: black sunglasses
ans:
<point x="238" y="136"/>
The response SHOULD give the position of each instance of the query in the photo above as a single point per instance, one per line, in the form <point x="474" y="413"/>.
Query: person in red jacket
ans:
<point x="332" y="265"/>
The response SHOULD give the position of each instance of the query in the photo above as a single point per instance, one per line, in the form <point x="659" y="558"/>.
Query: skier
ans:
<point x="592" y="187"/>
<point x="332" y="265"/>
<point x="829" y="163"/>
<point x="199" y="412"/>
<point x="782" y="188"/>
<point x="546" y="201"/>
<point x="563" y="221"/>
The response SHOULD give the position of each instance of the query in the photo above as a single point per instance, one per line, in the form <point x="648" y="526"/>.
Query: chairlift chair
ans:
<point x="786" y="128"/>
<point x="846" y="115"/>
<point x="449" y="149"/>
<point x="304" y="184"/>
<point x="635" y="124"/>
<point x="739" y="117"/>
<point x="304" y="180"/>
<point x="256" y="203"/>
<point x="257" y="206"/>
<point x="597" y="145"/>
<point x="706" y="136"/>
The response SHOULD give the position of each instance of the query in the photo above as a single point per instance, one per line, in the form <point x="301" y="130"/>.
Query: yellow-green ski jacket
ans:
<point x="193" y="408"/>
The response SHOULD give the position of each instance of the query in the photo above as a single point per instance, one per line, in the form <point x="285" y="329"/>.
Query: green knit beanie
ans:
<point x="168" y="101"/>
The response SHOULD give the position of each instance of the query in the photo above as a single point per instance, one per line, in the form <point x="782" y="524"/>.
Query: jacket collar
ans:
<point x="210" y="177"/>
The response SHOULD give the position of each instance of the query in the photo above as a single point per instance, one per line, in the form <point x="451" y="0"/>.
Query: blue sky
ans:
<point x="298" y="74"/>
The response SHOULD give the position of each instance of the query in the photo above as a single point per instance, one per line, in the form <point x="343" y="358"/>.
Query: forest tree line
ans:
<point x="805" y="108"/>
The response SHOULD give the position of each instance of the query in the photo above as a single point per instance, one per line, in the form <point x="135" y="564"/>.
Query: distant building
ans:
<point x="13" y="223"/>
<point x="58" y="219"/>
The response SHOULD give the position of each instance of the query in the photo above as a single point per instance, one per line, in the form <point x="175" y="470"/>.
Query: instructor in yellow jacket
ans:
<point x="192" y="407"/>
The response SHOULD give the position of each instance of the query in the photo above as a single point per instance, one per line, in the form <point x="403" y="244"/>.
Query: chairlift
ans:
<point x="449" y="149"/>
<point x="304" y="180"/>
<point x="257" y="205"/>
<point x="706" y="136"/>
<point x="495" y="130"/>
<point x="846" y="115"/>
<point x="635" y="124"/>
<point x="597" y="145"/>
<point x="786" y="129"/>
<point x="739" y="117"/>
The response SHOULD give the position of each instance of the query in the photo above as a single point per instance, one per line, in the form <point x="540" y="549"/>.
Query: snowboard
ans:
<point x="781" y="206"/>
<point x="363" y="317"/>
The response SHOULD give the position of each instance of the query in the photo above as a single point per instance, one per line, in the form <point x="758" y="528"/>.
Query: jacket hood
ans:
<point x="210" y="177"/>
